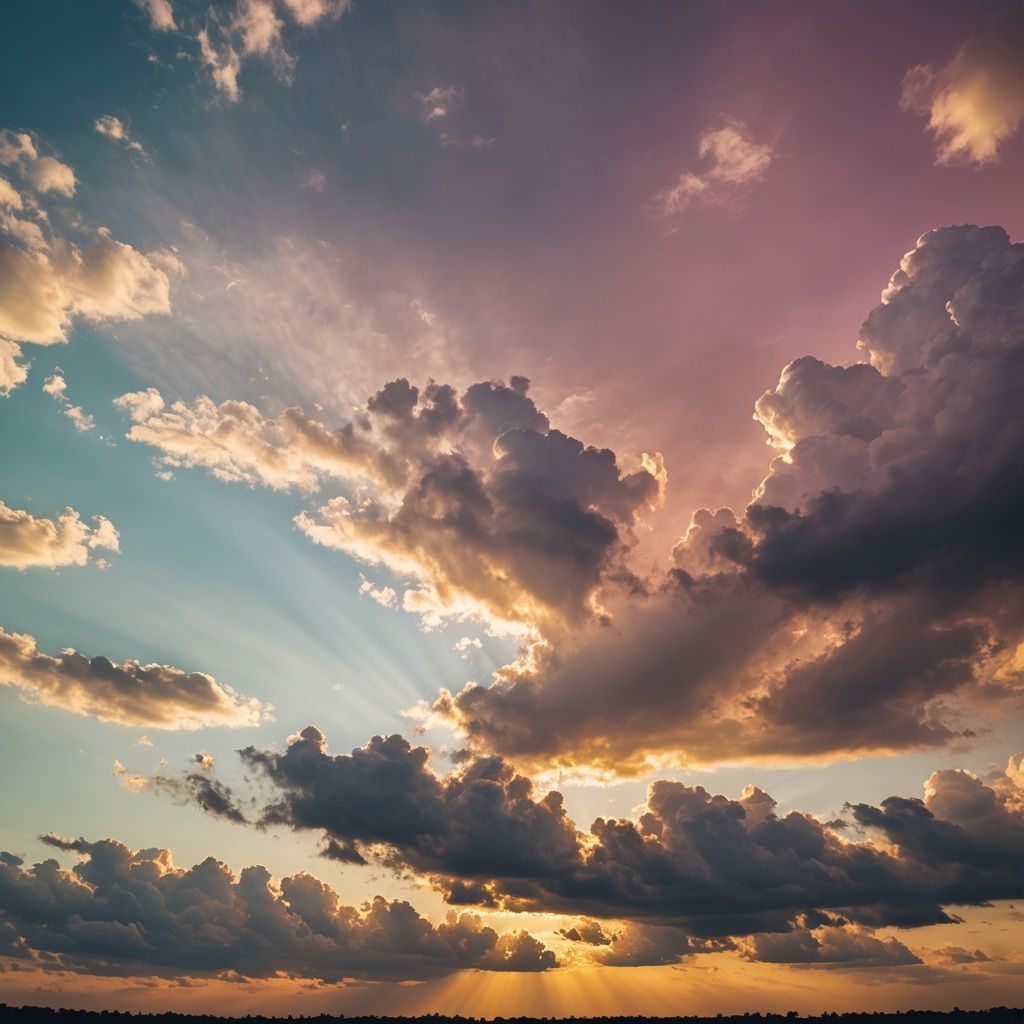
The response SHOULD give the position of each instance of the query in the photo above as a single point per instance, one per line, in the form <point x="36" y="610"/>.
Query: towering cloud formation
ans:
<point x="28" y="541"/>
<point x="870" y="598"/>
<point x="475" y="497"/>
<point x="46" y="281"/>
<point x="711" y="866"/>
<point x="150" y="696"/>
<point x="134" y="913"/>
<point x="976" y="101"/>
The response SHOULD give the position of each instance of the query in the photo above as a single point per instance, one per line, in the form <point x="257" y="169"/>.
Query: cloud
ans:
<point x="830" y="945"/>
<point x="116" y="130"/>
<point x="46" y="281"/>
<point x="732" y="160"/>
<point x="27" y="541"/>
<point x="134" y="913"/>
<point x="975" y="103"/>
<point x="254" y="29"/>
<point x="475" y="496"/>
<point x="161" y="14"/>
<point x="711" y="866"/>
<point x="44" y="173"/>
<point x="309" y="12"/>
<point x="56" y="387"/>
<point x="439" y="101"/>
<point x="126" y="693"/>
<point x="191" y="787"/>
<point x="870" y="598"/>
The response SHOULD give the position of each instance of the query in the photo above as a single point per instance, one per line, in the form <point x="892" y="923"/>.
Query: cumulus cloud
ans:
<point x="134" y="913"/>
<point x="127" y="693"/>
<point x="161" y="14"/>
<point x="116" y="130"/>
<point x="474" y="497"/>
<point x="871" y="597"/>
<point x="974" y="103"/>
<point x="731" y="159"/>
<point x="711" y="866"/>
<point x="28" y="541"/>
<point x="43" y="173"/>
<point x="46" y="281"/>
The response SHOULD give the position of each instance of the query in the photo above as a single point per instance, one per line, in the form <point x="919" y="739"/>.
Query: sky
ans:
<point x="511" y="508"/>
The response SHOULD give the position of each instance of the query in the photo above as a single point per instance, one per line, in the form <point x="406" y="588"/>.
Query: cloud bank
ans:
<point x="134" y="913"/>
<point x="126" y="693"/>
<point x="712" y="866"/>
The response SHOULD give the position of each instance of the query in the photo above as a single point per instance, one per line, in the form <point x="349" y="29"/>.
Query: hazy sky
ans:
<point x="552" y="471"/>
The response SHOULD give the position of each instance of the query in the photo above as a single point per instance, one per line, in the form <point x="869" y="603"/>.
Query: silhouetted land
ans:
<point x="45" y="1015"/>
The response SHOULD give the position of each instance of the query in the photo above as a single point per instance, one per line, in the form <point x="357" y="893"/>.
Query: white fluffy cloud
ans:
<point x="127" y="693"/>
<point x="45" y="173"/>
<point x="27" y="541"/>
<point x="46" y="281"/>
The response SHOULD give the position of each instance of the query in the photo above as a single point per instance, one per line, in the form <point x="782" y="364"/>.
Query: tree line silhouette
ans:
<point x="48" y="1015"/>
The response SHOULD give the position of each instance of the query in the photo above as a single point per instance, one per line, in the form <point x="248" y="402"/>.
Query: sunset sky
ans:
<point x="511" y="507"/>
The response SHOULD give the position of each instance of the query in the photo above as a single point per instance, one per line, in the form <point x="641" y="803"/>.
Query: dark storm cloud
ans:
<point x="872" y="590"/>
<point x="134" y="913"/>
<point x="480" y="821"/>
<point x="711" y="866"/>
<point x="831" y="946"/>
<point x="475" y="499"/>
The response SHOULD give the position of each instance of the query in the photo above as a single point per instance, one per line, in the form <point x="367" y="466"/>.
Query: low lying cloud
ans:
<point x="974" y="103"/>
<point x="126" y="693"/>
<point x="28" y="541"/>
<point x="711" y="866"/>
<point x="732" y="161"/>
<point x="475" y="498"/>
<point x="134" y="913"/>
<point x="830" y="945"/>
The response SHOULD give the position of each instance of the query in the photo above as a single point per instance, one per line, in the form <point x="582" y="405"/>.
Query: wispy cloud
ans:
<point x="732" y="160"/>
<point x="116" y="130"/>
<point x="439" y="101"/>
